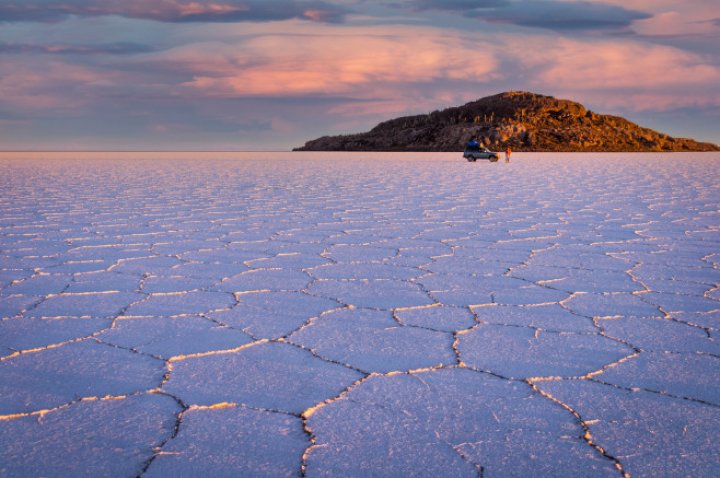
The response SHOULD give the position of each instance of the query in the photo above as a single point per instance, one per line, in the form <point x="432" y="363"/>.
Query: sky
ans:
<point x="272" y="74"/>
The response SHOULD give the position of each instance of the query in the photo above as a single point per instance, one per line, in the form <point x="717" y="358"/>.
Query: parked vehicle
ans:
<point x="473" y="154"/>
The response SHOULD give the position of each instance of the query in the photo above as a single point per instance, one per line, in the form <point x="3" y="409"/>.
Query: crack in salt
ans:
<point x="307" y="413"/>
<point x="587" y="435"/>
<point x="657" y="392"/>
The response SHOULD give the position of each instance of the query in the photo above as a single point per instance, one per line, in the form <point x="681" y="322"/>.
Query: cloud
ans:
<point x="561" y="15"/>
<point x="66" y="49"/>
<point x="215" y="126"/>
<point x="349" y="71"/>
<point x="369" y="63"/>
<point x="175" y="11"/>
<point x="673" y="23"/>
<point x="359" y="70"/>
<point x="622" y="75"/>
<point x="30" y="86"/>
<point x="457" y="5"/>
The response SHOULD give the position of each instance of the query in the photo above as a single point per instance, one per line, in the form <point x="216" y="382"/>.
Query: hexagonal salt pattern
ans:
<point x="451" y="422"/>
<point x="520" y="352"/>
<point x="648" y="433"/>
<point x="359" y="315"/>
<point x="266" y="375"/>
<point x="233" y="441"/>
<point x="114" y="436"/>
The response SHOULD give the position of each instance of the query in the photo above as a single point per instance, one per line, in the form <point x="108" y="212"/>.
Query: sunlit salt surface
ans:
<point x="320" y="314"/>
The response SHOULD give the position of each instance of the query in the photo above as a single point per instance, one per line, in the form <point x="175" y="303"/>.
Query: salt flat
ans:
<point x="315" y="314"/>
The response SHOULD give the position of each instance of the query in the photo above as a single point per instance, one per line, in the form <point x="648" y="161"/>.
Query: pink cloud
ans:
<point x="397" y="69"/>
<point x="318" y="15"/>
<point x="621" y="74"/>
<point x="197" y="8"/>
<point x="334" y="61"/>
<point x="625" y="65"/>
<point x="50" y="84"/>
<point x="675" y="17"/>
<point x="673" y="23"/>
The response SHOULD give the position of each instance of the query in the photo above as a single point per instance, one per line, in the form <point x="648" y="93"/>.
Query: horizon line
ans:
<point x="147" y="151"/>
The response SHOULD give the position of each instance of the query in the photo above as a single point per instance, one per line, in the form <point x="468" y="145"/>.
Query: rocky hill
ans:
<point x="524" y="121"/>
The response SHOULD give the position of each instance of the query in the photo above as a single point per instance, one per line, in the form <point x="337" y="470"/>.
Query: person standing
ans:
<point x="508" y="152"/>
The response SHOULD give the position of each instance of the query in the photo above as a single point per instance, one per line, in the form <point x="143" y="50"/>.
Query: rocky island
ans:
<point x="521" y="120"/>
